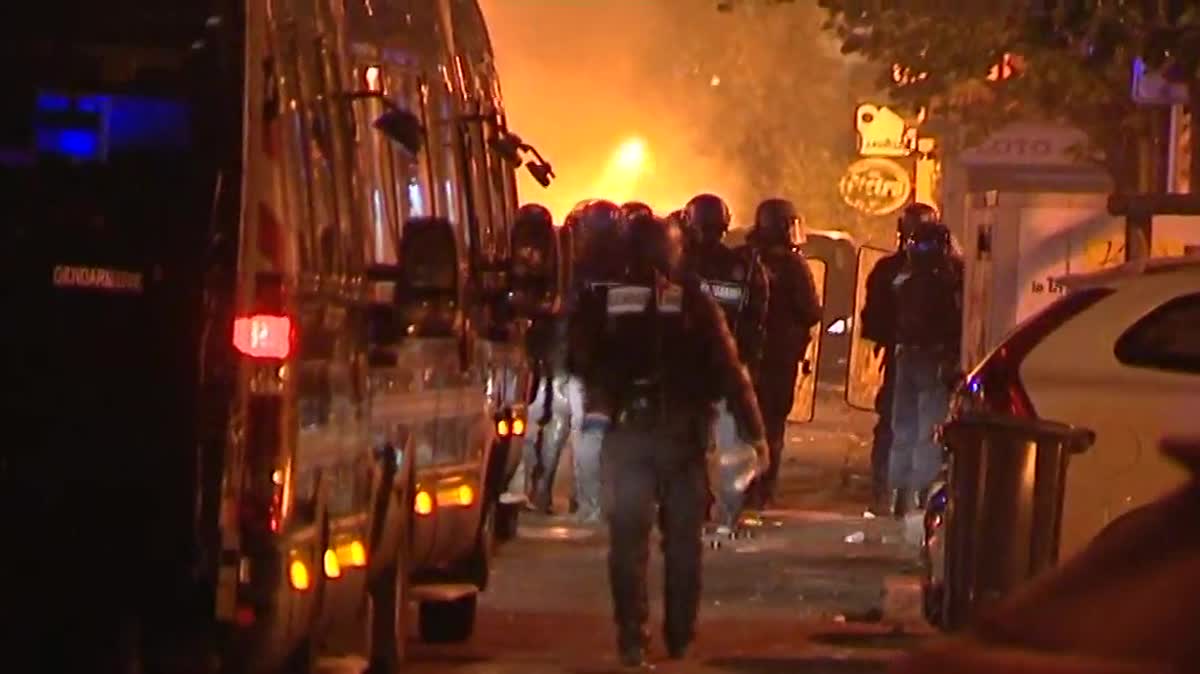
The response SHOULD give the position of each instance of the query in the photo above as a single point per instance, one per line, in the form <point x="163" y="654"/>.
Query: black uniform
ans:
<point x="793" y="310"/>
<point x="878" y="318"/>
<point x="657" y="356"/>
<point x="737" y="280"/>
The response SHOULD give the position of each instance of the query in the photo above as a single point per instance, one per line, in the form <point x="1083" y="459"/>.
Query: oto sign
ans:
<point x="1027" y="145"/>
<point x="875" y="186"/>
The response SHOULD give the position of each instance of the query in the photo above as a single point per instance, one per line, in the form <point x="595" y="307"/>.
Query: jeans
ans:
<point x="553" y="436"/>
<point x="881" y="444"/>
<point x="921" y="402"/>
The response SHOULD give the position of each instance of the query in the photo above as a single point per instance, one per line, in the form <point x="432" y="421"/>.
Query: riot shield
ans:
<point x="805" y="403"/>
<point x="865" y="374"/>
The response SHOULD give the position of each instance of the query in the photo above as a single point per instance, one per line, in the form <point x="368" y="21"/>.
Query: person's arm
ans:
<point x="806" y="302"/>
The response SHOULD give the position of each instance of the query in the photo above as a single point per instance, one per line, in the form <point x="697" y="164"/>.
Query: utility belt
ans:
<point x="642" y="408"/>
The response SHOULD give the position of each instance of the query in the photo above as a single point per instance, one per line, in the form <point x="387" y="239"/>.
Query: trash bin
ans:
<point x="1006" y="477"/>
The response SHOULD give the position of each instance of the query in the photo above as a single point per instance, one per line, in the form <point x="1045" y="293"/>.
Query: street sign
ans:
<point x="1150" y="87"/>
<point x="875" y="186"/>
<point x="883" y="133"/>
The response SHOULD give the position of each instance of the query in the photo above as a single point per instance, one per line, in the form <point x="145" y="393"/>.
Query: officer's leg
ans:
<point x="932" y="407"/>
<point x="588" y="478"/>
<point x="554" y="438"/>
<point x="629" y="495"/>
<point x="779" y="396"/>
<point x="904" y="429"/>
<point x="681" y="519"/>
<point x="882" y="438"/>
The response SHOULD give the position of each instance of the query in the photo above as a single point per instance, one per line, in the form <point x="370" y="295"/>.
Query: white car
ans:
<point x="1119" y="354"/>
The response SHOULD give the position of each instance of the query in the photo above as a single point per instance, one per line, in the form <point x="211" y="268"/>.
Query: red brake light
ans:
<point x="263" y="336"/>
<point x="995" y="384"/>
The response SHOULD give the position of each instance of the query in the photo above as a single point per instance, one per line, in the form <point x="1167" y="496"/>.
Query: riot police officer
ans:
<point x="599" y="249"/>
<point x="792" y="311"/>
<point x="928" y="336"/>
<point x="737" y="282"/>
<point x="878" y="318"/>
<point x="656" y="356"/>
<point x="547" y="349"/>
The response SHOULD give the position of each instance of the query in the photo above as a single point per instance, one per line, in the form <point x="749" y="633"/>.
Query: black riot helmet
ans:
<point x="708" y="215"/>
<point x="927" y="242"/>
<point x="777" y="223"/>
<point x="911" y="218"/>
<point x="534" y="214"/>
<point x="597" y="239"/>
<point x="653" y="246"/>
<point x="631" y="209"/>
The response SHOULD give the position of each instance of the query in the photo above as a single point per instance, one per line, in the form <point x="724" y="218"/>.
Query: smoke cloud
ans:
<point x="581" y="84"/>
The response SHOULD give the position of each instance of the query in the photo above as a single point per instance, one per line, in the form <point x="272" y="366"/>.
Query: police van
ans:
<point x="273" y="344"/>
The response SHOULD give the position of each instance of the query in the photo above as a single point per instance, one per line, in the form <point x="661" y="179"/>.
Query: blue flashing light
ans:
<point x="78" y="144"/>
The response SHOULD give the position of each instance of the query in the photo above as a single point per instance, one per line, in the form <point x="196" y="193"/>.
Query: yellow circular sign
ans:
<point x="875" y="186"/>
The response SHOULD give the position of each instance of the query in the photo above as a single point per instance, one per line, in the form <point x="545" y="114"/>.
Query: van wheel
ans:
<point x="448" y="622"/>
<point x="508" y="519"/>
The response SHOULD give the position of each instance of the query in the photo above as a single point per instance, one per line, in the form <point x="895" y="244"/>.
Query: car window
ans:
<point x="1167" y="338"/>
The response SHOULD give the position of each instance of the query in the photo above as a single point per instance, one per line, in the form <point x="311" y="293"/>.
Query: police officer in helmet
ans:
<point x="928" y="293"/>
<point x="737" y="282"/>
<point x="878" y="320"/>
<point x="792" y="310"/>
<point x="656" y="355"/>
<point x="598" y="239"/>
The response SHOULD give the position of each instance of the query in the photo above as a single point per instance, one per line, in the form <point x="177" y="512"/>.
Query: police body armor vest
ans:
<point x="637" y="318"/>
<point x="725" y="277"/>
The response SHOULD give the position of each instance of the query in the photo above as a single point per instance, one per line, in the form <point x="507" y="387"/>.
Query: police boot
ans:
<point x="631" y="647"/>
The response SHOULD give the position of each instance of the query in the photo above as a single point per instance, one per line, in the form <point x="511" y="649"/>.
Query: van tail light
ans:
<point x="995" y="384"/>
<point x="263" y="336"/>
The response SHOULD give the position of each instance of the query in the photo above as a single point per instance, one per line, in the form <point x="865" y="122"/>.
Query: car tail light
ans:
<point x="995" y="384"/>
<point x="263" y="336"/>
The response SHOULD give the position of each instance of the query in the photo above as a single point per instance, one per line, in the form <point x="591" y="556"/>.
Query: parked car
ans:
<point x="1118" y="353"/>
<point x="1124" y="605"/>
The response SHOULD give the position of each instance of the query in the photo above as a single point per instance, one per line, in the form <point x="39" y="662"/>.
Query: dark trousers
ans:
<point x="882" y="442"/>
<point x="661" y="466"/>
<point x="776" y="393"/>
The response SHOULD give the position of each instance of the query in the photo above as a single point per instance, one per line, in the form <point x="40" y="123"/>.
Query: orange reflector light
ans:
<point x="466" y="495"/>
<point x="423" y="503"/>
<point x="358" y="554"/>
<point x="518" y="426"/>
<point x="298" y="575"/>
<point x="502" y="428"/>
<point x="333" y="568"/>
<point x="263" y="336"/>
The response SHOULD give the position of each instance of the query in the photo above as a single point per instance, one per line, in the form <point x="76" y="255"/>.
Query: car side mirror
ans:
<point x="535" y="274"/>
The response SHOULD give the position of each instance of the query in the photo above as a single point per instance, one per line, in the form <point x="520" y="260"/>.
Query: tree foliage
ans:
<point x="1072" y="61"/>
<point x="776" y="101"/>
